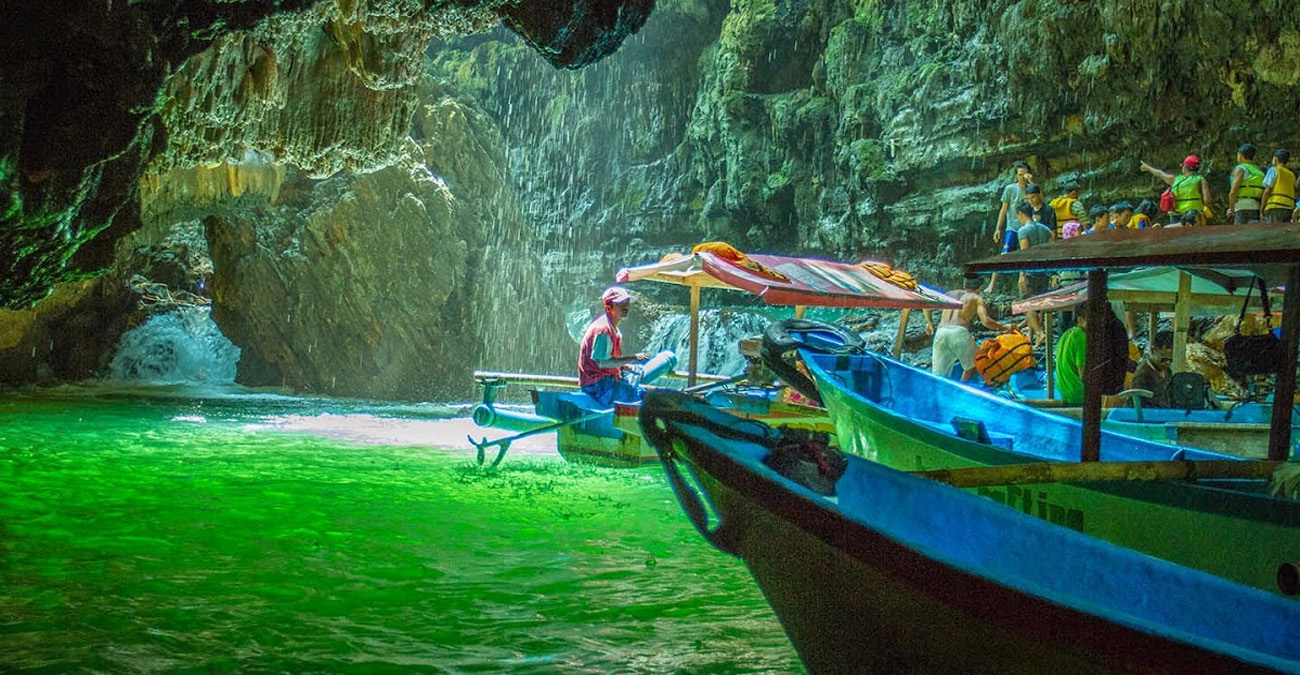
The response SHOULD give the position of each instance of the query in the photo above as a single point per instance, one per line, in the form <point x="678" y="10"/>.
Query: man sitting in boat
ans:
<point x="600" y="354"/>
<point x="1153" y="372"/>
<point x="953" y="341"/>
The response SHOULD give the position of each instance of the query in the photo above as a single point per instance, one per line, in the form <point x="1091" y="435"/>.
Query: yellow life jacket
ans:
<point x="1062" y="206"/>
<point x="1139" y="221"/>
<point x="733" y="255"/>
<point x="1187" y="193"/>
<point x="1283" y="195"/>
<point x="887" y="272"/>
<point x="1252" y="183"/>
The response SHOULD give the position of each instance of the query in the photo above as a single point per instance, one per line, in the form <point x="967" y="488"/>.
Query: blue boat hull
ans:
<point x="903" y="575"/>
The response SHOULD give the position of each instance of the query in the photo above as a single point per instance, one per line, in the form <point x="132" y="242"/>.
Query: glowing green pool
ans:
<point x="143" y="531"/>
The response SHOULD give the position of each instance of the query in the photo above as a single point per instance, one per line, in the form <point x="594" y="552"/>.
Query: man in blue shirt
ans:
<point x="1032" y="233"/>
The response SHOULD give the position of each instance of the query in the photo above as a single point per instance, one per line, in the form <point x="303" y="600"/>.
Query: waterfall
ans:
<point x="720" y="333"/>
<point x="182" y="345"/>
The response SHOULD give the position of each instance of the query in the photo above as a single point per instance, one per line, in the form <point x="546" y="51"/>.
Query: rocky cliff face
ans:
<point x="185" y="99"/>
<point x="880" y="128"/>
<point x="94" y="91"/>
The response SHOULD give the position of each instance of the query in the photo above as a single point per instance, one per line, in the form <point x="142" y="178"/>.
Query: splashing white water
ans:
<point x="720" y="333"/>
<point x="180" y="346"/>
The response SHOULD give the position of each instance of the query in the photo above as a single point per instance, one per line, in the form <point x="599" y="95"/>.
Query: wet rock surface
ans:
<point x="94" y="92"/>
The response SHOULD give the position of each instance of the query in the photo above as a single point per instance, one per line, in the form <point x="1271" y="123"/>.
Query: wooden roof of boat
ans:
<point x="1263" y="248"/>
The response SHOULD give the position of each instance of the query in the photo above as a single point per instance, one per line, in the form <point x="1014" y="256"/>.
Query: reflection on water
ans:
<point x="147" y="530"/>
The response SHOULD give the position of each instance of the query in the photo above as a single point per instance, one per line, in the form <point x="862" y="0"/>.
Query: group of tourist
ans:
<point x="1025" y="220"/>
<point x="1255" y="194"/>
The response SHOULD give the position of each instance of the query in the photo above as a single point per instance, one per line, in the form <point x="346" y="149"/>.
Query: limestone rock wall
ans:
<point x="92" y="91"/>
<point x="321" y="300"/>
<point x="880" y="128"/>
<point x="886" y="127"/>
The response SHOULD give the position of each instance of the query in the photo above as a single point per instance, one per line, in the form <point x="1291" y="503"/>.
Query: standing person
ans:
<point x="1247" y="187"/>
<point x="1190" y="189"/>
<point x="1012" y="195"/>
<point x="1032" y="233"/>
<point x="1071" y="352"/>
<point x="1041" y="211"/>
<point x="1279" y="189"/>
<point x="1068" y="208"/>
<point x="600" y="354"/>
<point x="953" y="341"/>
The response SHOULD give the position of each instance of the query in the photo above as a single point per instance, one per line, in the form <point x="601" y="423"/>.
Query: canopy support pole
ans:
<point x="1099" y="318"/>
<point x="902" y="332"/>
<point x="1279" y="437"/>
<point x="1049" y="321"/>
<point x="1153" y="323"/>
<point x="692" y="369"/>
<point x="1182" y="321"/>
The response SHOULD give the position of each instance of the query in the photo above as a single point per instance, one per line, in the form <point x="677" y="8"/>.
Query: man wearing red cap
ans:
<point x="600" y="354"/>
<point x="1191" y="191"/>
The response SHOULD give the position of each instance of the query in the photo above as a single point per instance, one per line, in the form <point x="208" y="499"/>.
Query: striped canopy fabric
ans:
<point x="789" y="281"/>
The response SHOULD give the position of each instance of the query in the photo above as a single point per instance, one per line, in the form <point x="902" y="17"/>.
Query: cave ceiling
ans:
<point x="96" y="93"/>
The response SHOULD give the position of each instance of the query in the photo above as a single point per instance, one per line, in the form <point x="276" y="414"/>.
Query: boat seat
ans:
<point x="972" y="430"/>
<point x="582" y="401"/>
<point x="569" y="405"/>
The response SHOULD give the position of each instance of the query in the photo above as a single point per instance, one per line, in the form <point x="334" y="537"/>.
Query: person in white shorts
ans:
<point x="952" y="340"/>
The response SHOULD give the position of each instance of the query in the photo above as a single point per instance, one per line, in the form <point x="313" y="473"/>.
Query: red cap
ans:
<point x="615" y="295"/>
<point x="1192" y="161"/>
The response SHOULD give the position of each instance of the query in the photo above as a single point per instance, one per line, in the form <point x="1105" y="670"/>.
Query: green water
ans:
<point x="145" y="531"/>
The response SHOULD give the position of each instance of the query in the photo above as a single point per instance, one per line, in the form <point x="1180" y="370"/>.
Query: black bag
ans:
<point x="1253" y="354"/>
<point x="1189" y="391"/>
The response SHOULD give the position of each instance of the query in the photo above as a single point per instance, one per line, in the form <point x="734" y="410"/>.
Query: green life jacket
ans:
<point x="1252" y="183"/>
<point x="1187" y="193"/>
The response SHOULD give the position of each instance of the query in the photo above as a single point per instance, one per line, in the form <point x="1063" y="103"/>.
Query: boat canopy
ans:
<point x="789" y="281"/>
<point x="1211" y="291"/>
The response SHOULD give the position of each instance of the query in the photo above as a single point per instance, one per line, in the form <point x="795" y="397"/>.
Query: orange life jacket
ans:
<point x="998" y="359"/>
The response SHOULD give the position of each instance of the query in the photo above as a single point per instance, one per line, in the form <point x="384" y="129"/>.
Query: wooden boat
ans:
<point x="587" y="432"/>
<point x="900" y="574"/>
<point x="1242" y="429"/>
<point x="1238" y="427"/>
